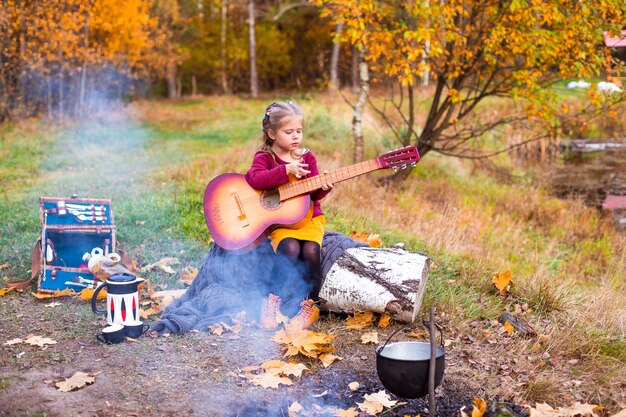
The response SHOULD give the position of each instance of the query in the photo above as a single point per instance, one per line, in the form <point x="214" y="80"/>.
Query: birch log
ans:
<point x="382" y="280"/>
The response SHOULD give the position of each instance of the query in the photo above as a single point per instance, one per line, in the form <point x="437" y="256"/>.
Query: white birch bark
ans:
<point x="383" y="280"/>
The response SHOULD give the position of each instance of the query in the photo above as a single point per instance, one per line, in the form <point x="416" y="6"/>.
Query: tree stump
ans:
<point x="383" y="280"/>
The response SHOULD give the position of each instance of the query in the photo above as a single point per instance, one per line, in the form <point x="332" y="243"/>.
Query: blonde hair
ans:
<point x="274" y="114"/>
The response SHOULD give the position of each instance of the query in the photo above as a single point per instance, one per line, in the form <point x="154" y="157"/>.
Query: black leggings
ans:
<point x="309" y="253"/>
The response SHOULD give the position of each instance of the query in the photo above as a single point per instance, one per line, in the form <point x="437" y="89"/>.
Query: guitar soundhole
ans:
<point x="270" y="199"/>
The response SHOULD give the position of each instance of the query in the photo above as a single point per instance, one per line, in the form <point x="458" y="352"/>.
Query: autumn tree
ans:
<point x="475" y="50"/>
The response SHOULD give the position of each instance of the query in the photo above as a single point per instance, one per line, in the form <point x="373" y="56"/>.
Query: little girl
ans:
<point x="280" y="157"/>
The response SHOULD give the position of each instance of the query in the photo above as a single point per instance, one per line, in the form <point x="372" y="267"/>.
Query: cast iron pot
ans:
<point x="403" y="367"/>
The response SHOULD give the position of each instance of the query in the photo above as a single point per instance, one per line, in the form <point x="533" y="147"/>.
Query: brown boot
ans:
<point x="309" y="313"/>
<point x="269" y="311"/>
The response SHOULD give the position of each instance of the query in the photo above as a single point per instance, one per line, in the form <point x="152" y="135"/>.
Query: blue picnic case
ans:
<point x="70" y="228"/>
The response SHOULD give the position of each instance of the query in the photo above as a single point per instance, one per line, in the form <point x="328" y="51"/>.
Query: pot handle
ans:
<point x="94" y="297"/>
<point x="423" y="322"/>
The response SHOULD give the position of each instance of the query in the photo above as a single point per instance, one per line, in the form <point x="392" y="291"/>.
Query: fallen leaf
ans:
<point x="579" y="409"/>
<point x="53" y="304"/>
<point x="87" y="294"/>
<point x="369" y="337"/>
<point x="144" y="314"/>
<point x="13" y="342"/>
<point x="305" y="342"/>
<point x="384" y="320"/>
<point x="165" y="298"/>
<point x="293" y="369"/>
<point x="216" y="328"/>
<point x="188" y="274"/>
<point x="5" y="290"/>
<point x="419" y="335"/>
<point x="353" y="386"/>
<point x="76" y="381"/>
<point x="163" y="264"/>
<point x="270" y="380"/>
<point x="478" y="409"/>
<point x="39" y="341"/>
<point x="4" y="265"/>
<point x="509" y="327"/>
<point x="57" y="293"/>
<point x="620" y="414"/>
<point x="359" y="320"/>
<point x="502" y="281"/>
<point x="376" y="402"/>
<point x="350" y="412"/>
<point x="294" y="409"/>
<point x="327" y="359"/>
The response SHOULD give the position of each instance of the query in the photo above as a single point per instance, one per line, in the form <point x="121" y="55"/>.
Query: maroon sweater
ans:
<point x="268" y="171"/>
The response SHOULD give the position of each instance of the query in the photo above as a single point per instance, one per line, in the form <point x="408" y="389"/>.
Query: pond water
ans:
<point x="591" y="170"/>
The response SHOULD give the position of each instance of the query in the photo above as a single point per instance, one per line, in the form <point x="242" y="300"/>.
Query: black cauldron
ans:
<point x="403" y="367"/>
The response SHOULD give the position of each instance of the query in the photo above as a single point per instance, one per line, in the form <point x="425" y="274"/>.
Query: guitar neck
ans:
<point x="308" y="185"/>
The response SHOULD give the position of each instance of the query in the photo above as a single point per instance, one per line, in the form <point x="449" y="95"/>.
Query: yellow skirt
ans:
<point x="312" y="231"/>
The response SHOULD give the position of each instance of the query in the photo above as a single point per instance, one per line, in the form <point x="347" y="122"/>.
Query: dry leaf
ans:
<point x="478" y="409"/>
<point x="270" y="380"/>
<point x="216" y="328"/>
<point x="53" y="304"/>
<point x="13" y="342"/>
<point x="369" y="337"/>
<point x="144" y="314"/>
<point x="305" y="342"/>
<point x="376" y="402"/>
<point x="5" y="290"/>
<point x="87" y="294"/>
<point x="350" y="412"/>
<point x="57" y="293"/>
<point x="509" y="327"/>
<point x="419" y="335"/>
<point x="188" y="274"/>
<point x="502" y="281"/>
<point x="165" y="298"/>
<point x="354" y="386"/>
<point x="293" y="369"/>
<point x="359" y="320"/>
<point x="294" y="409"/>
<point x="579" y="409"/>
<point x="4" y="265"/>
<point x="384" y="320"/>
<point x="76" y="381"/>
<point x="39" y="341"/>
<point x="163" y="264"/>
<point x="620" y="414"/>
<point x="327" y="359"/>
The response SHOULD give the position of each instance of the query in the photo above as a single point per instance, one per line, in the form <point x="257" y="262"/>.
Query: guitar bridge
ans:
<point x="243" y="218"/>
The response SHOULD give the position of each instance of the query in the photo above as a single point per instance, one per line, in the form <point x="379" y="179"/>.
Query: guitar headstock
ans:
<point x="401" y="158"/>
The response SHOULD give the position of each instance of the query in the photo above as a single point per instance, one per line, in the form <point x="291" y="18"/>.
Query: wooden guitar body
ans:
<point x="240" y="217"/>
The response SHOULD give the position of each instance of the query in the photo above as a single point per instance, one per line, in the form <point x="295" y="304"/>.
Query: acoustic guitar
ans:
<point x="240" y="217"/>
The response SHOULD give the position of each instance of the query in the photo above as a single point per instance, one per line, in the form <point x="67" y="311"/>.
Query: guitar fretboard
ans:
<point x="307" y="185"/>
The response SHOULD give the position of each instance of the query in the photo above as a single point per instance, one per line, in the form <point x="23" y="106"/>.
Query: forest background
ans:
<point x="479" y="80"/>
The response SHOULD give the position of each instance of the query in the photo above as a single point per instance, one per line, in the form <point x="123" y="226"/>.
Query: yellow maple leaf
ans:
<point x="384" y="320"/>
<point x="369" y="337"/>
<point x="75" y="382"/>
<point x="270" y="380"/>
<point x="375" y="403"/>
<point x="327" y="359"/>
<point x="502" y="281"/>
<point x="350" y="412"/>
<point x="302" y="341"/>
<point x="39" y="341"/>
<point x="87" y="294"/>
<point x="5" y="290"/>
<point x="509" y="327"/>
<point x="359" y="320"/>
<point x="57" y="293"/>
<point x="292" y="369"/>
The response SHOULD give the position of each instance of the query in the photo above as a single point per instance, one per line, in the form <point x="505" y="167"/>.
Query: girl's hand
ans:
<point x="327" y="185"/>
<point x="298" y="168"/>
